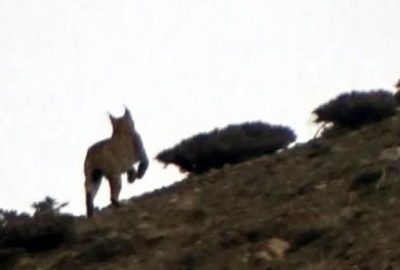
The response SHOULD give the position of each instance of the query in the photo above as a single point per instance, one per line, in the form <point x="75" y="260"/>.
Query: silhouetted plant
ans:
<point x="7" y="216"/>
<point x="230" y="145"/>
<point x="48" y="205"/>
<point x="45" y="230"/>
<point x="355" y="109"/>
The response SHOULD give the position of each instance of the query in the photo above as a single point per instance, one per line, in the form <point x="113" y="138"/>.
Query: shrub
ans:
<point x="38" y="233"/>
<point x="355" y="109"/>
<point x="230" y="145"/>
<point x="48" y="205"/>
<point x="7" y="216"/>
<point x="47" y="229"/>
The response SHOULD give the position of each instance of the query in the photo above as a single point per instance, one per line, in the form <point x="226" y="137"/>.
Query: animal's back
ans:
<point x="111" y="156"/>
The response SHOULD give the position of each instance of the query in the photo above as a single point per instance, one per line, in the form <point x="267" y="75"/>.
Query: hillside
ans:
<point x="332" y="203"/>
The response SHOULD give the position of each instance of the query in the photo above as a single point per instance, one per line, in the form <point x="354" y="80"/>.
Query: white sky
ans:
<point x="182" y="67"/>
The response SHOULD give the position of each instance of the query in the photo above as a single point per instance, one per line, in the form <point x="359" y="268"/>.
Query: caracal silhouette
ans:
<point x="112" y="157"/>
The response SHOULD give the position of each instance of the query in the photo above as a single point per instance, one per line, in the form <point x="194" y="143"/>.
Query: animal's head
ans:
<point x="123" y="124"/>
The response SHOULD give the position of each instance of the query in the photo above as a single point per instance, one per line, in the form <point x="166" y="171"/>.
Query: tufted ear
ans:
<point x="112" y="118"/>
<point x="127" y="112"/>
<point x="128" y="115"/>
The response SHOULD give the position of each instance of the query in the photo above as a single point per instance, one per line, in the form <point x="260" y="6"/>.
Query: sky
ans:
<point x="181" y="67"/>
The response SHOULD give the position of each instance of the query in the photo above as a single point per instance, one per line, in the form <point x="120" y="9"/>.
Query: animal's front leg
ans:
<point x="115" y="189"/>
<point x="132" y="175"/>
<point x="143" y="165"/>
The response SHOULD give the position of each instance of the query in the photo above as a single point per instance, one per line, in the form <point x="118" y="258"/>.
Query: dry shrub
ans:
<point x="355" y="109"/>
<point x="230" y="145"/>
<point x="48" y="205"/>
<point x="47" y="228"/>
<point x="37" y="233"/>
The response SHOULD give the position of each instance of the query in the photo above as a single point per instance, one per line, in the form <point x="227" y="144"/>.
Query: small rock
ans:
<point x="188" y="202"/>
<point x="174" y="199"/>
<point x="151" y="234"/>
<point x="26" y="262"/>
<point x="275" y="249"/>
<point x="322" y="186"/>
<point x="143" y="226"/>
<point x="278" y="247"/>
<point x="392" y="201"/>
<point x="144" y="215"/>
<point x="347" y="213"/>
<point x="264" y="255"/>
<point x="391" y="154"/>
<point x="154" y="237"/>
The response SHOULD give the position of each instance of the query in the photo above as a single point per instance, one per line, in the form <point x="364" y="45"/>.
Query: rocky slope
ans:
<point x="332" y="203"/>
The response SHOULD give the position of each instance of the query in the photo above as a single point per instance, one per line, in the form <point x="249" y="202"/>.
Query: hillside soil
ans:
<point x="331" y="203"/>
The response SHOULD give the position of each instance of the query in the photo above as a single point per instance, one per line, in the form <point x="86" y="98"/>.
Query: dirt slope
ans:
<point x="328" y="204"/>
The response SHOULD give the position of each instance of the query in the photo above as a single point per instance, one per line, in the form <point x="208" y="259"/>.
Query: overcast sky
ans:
<point x="182" y="67"/>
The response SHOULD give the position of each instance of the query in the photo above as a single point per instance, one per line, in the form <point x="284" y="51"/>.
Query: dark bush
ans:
<point x="48" y="205"/>
<point x="397" y="97"/>
<point x="37" y="233"/>
<point x="9" y="215"/>
<point x="230" y="145"/>
<point x="354" y="109"/>
<point x="47" y="228"/>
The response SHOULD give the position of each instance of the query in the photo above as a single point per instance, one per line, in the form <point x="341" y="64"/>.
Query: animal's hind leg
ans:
<point x="115" y="189"/>
<point x="92" y="184"/>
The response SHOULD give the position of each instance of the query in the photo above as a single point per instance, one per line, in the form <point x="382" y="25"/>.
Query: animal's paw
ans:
<point x="115" y="203"/>
<point x="132" y="175"/>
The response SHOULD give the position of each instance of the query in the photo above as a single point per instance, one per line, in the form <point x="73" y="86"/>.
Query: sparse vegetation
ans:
<point x="230" y="145"/>
<point x="106" y="249"/>
<point x="48" y="206"/>
<point x="355" y="109"/>
<point x="47" y="229"/>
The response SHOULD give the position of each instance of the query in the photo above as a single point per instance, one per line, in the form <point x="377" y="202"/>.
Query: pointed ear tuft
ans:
<point x="112" y="118"/>
<point x="127" y="113"/>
